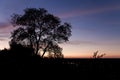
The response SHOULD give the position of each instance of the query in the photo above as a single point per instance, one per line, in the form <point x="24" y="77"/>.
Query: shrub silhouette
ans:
<point x="4" y="52"/>
<point x="96" y="55"/>
<point x="20" y="50"/>
<point x="17" y="50"/>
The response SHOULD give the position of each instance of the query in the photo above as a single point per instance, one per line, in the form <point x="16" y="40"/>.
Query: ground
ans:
<point x="74" y="68"/>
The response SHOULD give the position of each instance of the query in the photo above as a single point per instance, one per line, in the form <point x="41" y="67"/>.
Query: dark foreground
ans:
<point x="108" y="69"/>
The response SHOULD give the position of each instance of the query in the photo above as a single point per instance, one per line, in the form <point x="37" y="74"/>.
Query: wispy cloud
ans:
<point x="1" y="39"/>
<point x="78" y="42"/>
<point x="4" y="25"/>
<point x="100" y="43"/>
<point x="5" y="29"/>
<point x="79" y="12"/>
<point x="113" y="22"/>
<point x="4" y="35"/>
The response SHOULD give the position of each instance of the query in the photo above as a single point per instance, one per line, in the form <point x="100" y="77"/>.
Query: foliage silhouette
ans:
<point x="56" y="50"/>
<point x="20" y="50"/>
<point x="96" y="55"/>
<point x="4" y="52"/>
<point x="17" y="50"/>
<point x="41" y="31"/>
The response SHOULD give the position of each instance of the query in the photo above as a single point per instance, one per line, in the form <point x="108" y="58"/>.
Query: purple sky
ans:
<point x="95" y="23"/>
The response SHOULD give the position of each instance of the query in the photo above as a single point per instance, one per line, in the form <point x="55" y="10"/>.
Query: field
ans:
<point x="74" y="68"/>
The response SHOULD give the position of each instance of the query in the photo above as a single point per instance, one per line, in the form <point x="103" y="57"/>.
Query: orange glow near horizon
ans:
<point x="73" y="51"/>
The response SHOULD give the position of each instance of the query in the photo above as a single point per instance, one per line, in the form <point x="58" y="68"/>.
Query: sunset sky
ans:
<point x="95" y="24"/>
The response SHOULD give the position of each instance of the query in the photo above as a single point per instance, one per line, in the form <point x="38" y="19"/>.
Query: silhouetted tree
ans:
<point x="17" y="50"/>
<point x="4" y="52"/>
<point x="20" y="50"/>
<point x="96" y="55"/>
<point x="56" y="50"/>
<point x="40" y="30"/>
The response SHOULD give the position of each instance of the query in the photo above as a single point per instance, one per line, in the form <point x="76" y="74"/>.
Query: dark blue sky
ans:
<point x="95" y="23"/>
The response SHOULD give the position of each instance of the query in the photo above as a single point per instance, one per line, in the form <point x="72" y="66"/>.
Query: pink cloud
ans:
<point x="5" y="28"/>
<point x="2" y="39"/>
<point x="4" y="25"/>
<point x="78" y="42"/>
<point x="79" y="12"/>
<point x="98" y="43"/>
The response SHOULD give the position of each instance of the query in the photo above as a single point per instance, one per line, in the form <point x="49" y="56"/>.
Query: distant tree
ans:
<point x="56" y="50"/>
<point x="96" y="55"/>
<point x="40" y="30"/>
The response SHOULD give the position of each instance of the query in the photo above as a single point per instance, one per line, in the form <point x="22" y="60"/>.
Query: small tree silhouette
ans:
<point x="56" y="50"/>
<point x="40" y="30"/>
<point x="96" y="55"/>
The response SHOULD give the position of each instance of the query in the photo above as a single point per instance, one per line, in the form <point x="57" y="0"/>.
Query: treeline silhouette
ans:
<point x="22" y="60"/>
<point x="17" y="50"/>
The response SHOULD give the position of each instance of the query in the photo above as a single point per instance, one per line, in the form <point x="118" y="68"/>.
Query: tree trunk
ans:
<point x="45" y="50"/>
<point x="37" y="47"/>
<point x="31" y="46"/>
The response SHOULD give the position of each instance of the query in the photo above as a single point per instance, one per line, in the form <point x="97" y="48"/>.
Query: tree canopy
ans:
<point x="40" y="30"/>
